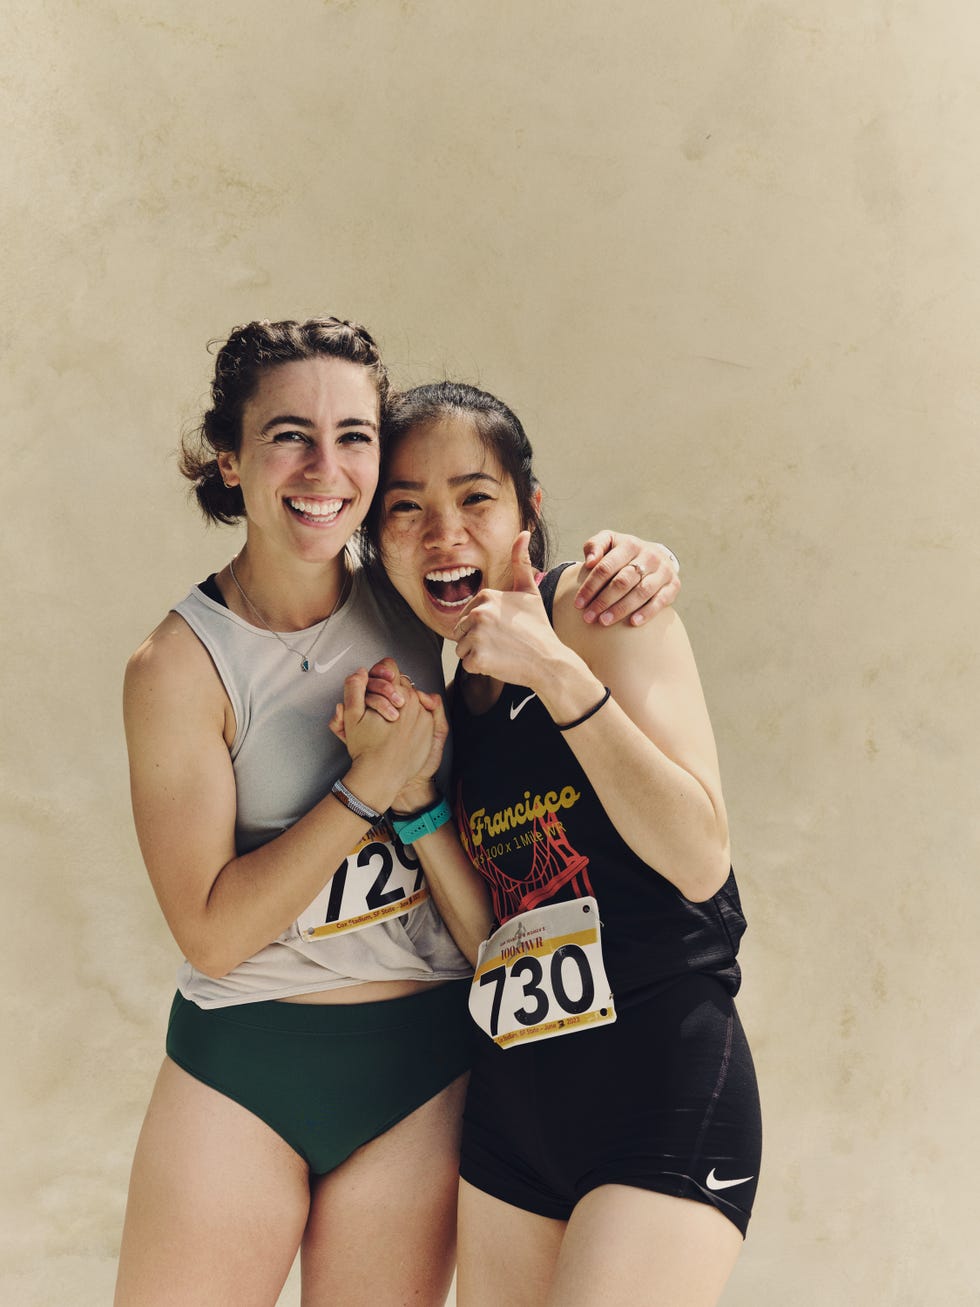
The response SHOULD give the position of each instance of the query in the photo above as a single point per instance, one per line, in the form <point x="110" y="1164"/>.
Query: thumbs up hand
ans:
<point x="522" y="568"/>
<point x="505" y="634"/>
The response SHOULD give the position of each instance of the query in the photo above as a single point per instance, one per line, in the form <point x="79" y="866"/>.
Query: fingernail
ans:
<point x="637" y="619"/>
<point x="606" y="618"/>
<point x="579" y="602"/>
<point x="398" y="701"/>
<point x="588" y="617"/>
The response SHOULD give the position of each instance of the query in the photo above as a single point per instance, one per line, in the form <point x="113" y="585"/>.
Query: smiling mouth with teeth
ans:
<point x="315" y="510"/>
<point x="453" y="588"/>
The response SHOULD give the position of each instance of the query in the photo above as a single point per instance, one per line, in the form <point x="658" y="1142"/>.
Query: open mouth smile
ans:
<point x="317" y="512"/>
<point x="453" y="588"/>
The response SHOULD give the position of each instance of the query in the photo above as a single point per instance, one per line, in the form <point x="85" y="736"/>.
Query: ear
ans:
<point x="228" y="467"/>
<point x="536" y="504"/>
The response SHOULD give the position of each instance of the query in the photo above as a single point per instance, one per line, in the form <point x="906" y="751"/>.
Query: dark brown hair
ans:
<point x="499" y="430"/>
<point x="241" y="361"/>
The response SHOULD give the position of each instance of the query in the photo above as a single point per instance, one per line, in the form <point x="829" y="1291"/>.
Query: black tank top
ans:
<point x="533" y="825"/>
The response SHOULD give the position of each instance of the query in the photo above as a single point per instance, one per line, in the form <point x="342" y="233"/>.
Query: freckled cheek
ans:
<point x="398" y="536"/>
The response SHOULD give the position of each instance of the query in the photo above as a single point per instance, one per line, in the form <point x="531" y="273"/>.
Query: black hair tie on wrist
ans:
<point x="586" y="715"/>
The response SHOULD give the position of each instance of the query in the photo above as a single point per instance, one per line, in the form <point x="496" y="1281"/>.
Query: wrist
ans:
<point x="372" y="785"/>
<point x="572" y="690"/>
<point x="353" y="802"/>
<point x="589" y="712"/>
<point x="417" y="825"/>
<point x="414" y="798"/>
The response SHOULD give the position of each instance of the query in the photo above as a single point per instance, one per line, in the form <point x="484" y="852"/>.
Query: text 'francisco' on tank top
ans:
<point x="533" y="825"/>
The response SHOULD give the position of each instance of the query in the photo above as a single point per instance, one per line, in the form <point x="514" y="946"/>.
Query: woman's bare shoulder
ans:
<point x="593" y="639"/>
<point x="172" y="669"/>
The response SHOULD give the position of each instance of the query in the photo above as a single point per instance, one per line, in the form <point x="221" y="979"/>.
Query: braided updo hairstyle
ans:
<point x="247" y="353"/>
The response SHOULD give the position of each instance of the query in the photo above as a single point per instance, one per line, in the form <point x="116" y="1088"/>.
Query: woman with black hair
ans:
<point x="317" y="1045"/>
<point x="612" y="1136"/>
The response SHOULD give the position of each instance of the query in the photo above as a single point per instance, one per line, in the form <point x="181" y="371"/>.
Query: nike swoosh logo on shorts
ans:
<point x="325" y="667"/>
<point x="515" y="708"/>
<point x="714" y="1183"/>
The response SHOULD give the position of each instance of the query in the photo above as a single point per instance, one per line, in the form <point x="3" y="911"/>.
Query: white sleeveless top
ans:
<point x="285" y="760"/>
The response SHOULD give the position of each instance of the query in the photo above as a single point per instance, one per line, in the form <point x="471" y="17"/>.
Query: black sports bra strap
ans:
<point x="210" y="588"/>
<point x="548" y="585"/>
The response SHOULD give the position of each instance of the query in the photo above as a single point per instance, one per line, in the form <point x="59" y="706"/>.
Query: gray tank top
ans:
<point x="285" y="760"/>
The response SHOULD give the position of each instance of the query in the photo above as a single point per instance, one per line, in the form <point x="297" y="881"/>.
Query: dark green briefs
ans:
<point x="327" y="1077"/>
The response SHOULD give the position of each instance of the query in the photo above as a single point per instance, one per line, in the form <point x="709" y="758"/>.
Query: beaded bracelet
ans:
<point x="585" y="716"/>
<point x="352" y="803"/>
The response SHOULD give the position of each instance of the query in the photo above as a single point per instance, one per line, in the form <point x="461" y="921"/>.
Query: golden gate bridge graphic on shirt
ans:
<point x="554" y="864"/>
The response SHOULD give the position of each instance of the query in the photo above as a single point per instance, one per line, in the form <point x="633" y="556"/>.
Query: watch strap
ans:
<point x="413" y="827"/>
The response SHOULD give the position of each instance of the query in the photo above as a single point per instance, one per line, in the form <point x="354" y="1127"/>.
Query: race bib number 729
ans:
<point x="380" y="879"/>
<point x="541" y="975"/>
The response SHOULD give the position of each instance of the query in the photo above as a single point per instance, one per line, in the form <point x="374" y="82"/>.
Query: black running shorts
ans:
<point x="665" y="1099"/>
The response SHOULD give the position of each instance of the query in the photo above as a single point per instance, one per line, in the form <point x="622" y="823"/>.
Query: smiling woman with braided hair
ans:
<point x="317" y="1045"/>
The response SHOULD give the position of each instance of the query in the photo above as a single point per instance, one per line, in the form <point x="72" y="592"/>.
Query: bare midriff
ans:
<point x="372" y="991"/>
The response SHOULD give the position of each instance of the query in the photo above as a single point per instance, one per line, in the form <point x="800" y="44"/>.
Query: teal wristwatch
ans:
<point x="412" y="828"/>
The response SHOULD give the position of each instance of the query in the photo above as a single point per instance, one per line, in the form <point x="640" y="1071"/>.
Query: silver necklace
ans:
<point x="304" y="658"/>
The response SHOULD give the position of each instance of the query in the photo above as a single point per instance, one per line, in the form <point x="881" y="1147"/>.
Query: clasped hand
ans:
<point x="408" y="743"/>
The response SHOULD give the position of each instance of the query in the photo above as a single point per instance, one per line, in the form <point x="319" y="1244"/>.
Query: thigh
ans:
<point x="628" y="1247"/>
<point x="382" y="1226"/>
<point x="506" y="1254"/>
<point x="217" y="1203"/>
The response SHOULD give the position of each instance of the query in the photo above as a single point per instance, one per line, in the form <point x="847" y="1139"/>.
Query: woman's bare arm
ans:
<point x="649" y="752"/>
<point x="458" y="890"/>
<point x="223" y="908"/>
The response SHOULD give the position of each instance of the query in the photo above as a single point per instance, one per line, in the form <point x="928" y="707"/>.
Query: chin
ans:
<point x="441" y="622"/>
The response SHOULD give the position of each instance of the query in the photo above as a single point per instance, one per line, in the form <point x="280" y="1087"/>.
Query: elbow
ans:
<point x="208" y="964"/>
<point x="207" y="943"/>
<point x="213" y="968"/>
<point x="207" y="957"/>
<point x="468" y="942"/>
<point x="471" y="952"/>
<point x="706" y="874"/>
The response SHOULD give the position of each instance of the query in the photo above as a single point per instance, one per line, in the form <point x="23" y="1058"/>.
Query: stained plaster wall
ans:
<point x="723" y="257"/>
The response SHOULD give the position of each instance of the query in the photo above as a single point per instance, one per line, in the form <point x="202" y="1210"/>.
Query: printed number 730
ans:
<point x="530" y="971"/>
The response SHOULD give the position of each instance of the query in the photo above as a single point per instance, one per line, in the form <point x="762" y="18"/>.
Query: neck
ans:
<point x="480" y="692"/>
<point x="289" y="598"/>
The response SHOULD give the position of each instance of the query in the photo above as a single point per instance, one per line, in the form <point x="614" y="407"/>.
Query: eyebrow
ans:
<point x="466" y="479"/>
<point x="290" y="420"/>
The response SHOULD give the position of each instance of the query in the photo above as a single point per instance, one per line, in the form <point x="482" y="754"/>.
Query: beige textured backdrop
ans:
<point x="723" y="257"/>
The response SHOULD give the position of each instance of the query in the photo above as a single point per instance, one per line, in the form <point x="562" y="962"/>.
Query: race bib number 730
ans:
<point x="541" y="975"/>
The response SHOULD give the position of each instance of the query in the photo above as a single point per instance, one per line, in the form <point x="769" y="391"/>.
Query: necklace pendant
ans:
<point x="304" y="663"/>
